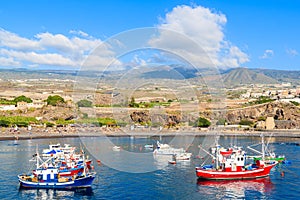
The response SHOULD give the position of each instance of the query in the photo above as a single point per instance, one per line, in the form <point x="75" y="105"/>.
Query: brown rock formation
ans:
<point x="286" y="115"/>
<point x="140" y="116"/>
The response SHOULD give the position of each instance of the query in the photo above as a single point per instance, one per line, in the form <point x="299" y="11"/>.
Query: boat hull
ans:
<point x="71" y="172"/>
<point x="83" y="182"/>
<point x="239" y="175"/>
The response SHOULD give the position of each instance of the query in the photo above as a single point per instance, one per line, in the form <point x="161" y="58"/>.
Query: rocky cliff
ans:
<point x="287" y="115"/>
<point x="169" y="119"/>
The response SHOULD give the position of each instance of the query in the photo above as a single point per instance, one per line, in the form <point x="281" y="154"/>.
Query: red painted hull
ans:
<point x="71" y="172"/>
<point x="222" y="175"/>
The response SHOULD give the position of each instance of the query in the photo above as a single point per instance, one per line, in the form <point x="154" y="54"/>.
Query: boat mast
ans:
<point x="37" y="157"/>
<point x="84" y="164"/>
<point x="263" y="147"/>
<point x="217" y="151"/>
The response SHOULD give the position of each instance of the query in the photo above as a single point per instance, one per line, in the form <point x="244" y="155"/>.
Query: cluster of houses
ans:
<point x="274" y="92"/>
<point x="23" y="105"/>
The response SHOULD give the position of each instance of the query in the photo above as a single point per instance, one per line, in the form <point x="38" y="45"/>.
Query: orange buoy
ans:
<point x="99" y="162"/>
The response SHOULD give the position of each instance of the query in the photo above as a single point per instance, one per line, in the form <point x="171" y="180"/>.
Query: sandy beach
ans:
<point x="35" y="133"/>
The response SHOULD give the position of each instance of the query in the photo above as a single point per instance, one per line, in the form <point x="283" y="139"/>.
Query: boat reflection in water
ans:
<point x="26" y="193"/>
<point x="235" y="188"/>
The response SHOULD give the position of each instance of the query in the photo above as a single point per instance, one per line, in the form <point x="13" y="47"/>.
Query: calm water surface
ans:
<point x="165" y="182"/>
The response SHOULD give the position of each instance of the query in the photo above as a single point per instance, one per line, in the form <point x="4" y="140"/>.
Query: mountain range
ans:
<point x="230" y="77"/>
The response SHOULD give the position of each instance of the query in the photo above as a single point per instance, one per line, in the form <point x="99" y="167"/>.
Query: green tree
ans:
<point x="246" y="122"/>
<point x="261" y="118"/>
<point x="132" y="103"/>
<point x="85" y="115"/>
<point x="55" y="100"/>
<point x="49" y="124"/>
<point x="202" y="122"/>
<point x="295" y="103"/>
<point x="21" y="123"/>
<point x="221" y="121"/>
<point x="6" y="102"/>
<point x="4" y="123"/>
<point x="63" y="122"/>
<point x="17" y="120"/>
<point x="107" y="121"/>
<point x="261" y="100"/>
<point x="84" y="103"/>
<point x="22" y="98"/>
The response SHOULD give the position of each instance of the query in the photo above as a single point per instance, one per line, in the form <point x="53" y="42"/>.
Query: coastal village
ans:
<point x="149" y="100"/>
<point x="245" y="108"/>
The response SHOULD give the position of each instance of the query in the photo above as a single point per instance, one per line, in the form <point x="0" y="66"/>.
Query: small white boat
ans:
<point x="116" y="148"/>
<point x="165" y="149"/>
<point x="183" y="156"/>
<point x="173" y="162"/>
<point x="180" y="158"/>
<point x="148" y="146"/>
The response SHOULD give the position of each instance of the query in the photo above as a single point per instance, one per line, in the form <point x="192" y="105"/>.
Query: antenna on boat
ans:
<point x="217" y="150"/>
<point x="37" y="156"/>
<point x="263" y="146"/>
<point x="84" y="164"/>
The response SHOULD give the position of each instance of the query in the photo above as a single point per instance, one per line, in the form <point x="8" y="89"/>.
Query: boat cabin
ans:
<point x="47" y="175"/>
<point x="233" y="162"/>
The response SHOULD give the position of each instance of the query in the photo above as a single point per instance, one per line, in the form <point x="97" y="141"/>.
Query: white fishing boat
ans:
<point x="149" y="146"/>
<point x="165" y="149"/>
<point x="183" y="156"/>
<point x="116" y="148"/>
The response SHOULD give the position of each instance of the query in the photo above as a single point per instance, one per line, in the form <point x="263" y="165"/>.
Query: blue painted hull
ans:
<point x="77" y="183"/>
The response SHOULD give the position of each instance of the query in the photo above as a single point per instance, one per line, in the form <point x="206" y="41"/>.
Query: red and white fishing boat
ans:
<point x="230" y="164"/>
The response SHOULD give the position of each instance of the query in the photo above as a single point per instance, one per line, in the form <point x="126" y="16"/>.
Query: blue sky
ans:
<point x="234" y="33"/>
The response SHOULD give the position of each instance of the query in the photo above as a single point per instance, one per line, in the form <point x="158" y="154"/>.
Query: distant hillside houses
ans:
<point x="150" y="99"/>
<point x="281" y="94"/>
<point x="7" y="107"/>
<point x="289" y="100"/>
<point x="35" y="104"/>
<point x="23" y="105"/>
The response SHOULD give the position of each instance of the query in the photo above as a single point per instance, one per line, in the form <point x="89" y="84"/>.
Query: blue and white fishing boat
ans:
<point x="48" y="175"/>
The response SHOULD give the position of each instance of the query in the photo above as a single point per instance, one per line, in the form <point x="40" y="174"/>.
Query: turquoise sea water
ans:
<point x="150" y="179"/>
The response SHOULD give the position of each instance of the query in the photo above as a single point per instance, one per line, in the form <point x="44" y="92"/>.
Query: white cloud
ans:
<point x="234" y="57"/>
<point x="292" y="52"/>
<point x="205" y="28"/>
<point x="12" y="40"/>
<point x="8" y="62"/>
<point x="267" y="54"/>
<point x="52" y="49"/>
<point x="79" y="33"/>
<point x="43" y="59"/>
<point x="138" y="61"/>
<point x="58" y="42"/>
